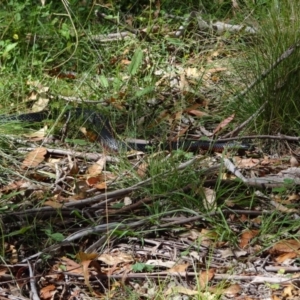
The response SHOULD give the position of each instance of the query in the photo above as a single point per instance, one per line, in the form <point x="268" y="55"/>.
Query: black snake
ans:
<point x="105" y="134"/>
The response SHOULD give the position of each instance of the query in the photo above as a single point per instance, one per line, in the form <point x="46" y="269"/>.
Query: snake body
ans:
<point x="105" y="134"/>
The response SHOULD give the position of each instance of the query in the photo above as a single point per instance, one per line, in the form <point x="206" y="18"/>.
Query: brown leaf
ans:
<point x="286" y="256"/>
<point x="13" y="186"/>
<point x="223" y="124"/>
<point x="180" y="290"/>
<point x="82" y="256"/>
<point x="86" y="275"/>
<point x="53" y="204"/>
<point x="247" y="236"/>
<point x="97" y="168"/>
<point x="142" y="169"/>
<point x="115" y="258"/>
<point x="34" y="158"/>
<point x="205" y="277"/>
<point x="101" y="186"/>
<point x="70" y="266"/>
<point x="246" y="162"/>
<point x="198" y="113"/>
<point x="233" y="290"/>
<point x="178" y="269"/>
<point x="285" y="246"/>
<point x="47" y="292"/>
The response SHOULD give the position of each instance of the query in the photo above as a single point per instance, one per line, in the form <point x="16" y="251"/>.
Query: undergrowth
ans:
<point x="51" y="54"/>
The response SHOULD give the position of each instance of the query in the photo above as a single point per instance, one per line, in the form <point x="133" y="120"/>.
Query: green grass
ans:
<point x="280" y="89"/>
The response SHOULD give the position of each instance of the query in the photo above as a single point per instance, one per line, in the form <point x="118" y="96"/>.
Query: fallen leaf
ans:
<point x="115" y="258"/>
<point x="233" y="290"/>
<point x="101" y="186"/>
<point x="209" y="201"/>
<point x="178" y="269"/>
<point x="127" y="201"/>
<point x="286" y="256"/>
<point x="34" y="158"/>
<point x="198" y="113"/>
<point x="180" y="289"/>
<point x="142" y="169"/>
<point x="223" y="124"/>
<point x="37" y="135"/>
<point x="285" y="246"/>
<point x="82" y="256"/>
<point x="160" y="263"/>
<point x="42" y="102"/>
<point x="247" y="236"/>
<point x="205" y="277"/>
<point x="47" y="292"/>
<point x="53" y="204"/>
<point x="245" y="162"/>
<point x="97" y="168"/>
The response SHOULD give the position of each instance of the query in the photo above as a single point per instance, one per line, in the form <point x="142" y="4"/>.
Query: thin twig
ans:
<point x="35" y="295"/>
<point x="253" y="137"/>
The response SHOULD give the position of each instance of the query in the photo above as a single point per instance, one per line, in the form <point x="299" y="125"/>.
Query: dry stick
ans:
<point x="139" y="33"/>
<point x="273" y="137"/>
<point x="35" y="295"/>
<point x="88" y="156"/>
<point x="103" y="228"/>
<point x="254" y="278"/>
<point x="281" y="58"/>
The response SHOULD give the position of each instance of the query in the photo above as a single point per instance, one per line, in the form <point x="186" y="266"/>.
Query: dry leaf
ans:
<point x="247" y="236"/>
<point x="42" y="102"/>
<point x="289" y="291"/>
<point x="180" y="289"/>
<point x="97" y="168"/>
<point x="47" y="292"/>
<point x="178" y="269"/>
<point x="193" y="73"/>
<point x="209" y="200"/>
<point x="34" y="158"/>
<point x="285" y="246"/>
<point x="101" y="186"/>
<point x="127" y="201"/>
<point x="142" y="169"/>
<point x="223" y="124"/>
<point x="233" y="290"/>
<point x="37" y="135"/>
<point x="245" y="162"/>
<point x="85" y="269"/>
<point x="286" y="256"/>
<point x="115" y="258"/>
<point x="160" y="263"/>
<point x="205" y="277"/>
<point x="70" y="265"/>
<point x="216" y="70"/>
<point x="53" y="204"/>
<point x="82" y="256"/>
<point x="198" y="113"/>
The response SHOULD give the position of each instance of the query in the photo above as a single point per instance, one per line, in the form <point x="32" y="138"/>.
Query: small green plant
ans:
<point x="141" y="267"/>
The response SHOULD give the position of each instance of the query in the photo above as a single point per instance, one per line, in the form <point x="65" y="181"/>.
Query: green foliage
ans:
<point x="280" y="89"/>
<point x="141" y="267"/>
